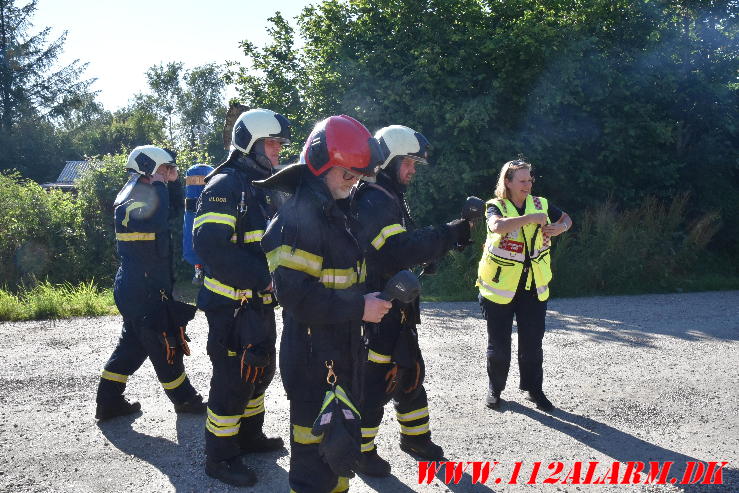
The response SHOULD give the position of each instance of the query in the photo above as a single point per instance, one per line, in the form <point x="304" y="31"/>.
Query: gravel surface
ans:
<point x="635" y="378"/>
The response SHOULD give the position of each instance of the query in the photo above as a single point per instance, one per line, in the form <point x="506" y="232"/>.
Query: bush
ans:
<point x="40" y="235"/>
<point x="653" y="247"/>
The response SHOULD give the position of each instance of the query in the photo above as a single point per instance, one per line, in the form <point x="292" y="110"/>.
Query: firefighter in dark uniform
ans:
<point x="318" y="273"/>
<point x="236" y="295"/>
<point x="513" y="278"/>
<point x="394" y="367"/>
<point x="143" y="282"/>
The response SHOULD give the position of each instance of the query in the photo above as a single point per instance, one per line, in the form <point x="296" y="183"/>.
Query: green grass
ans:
<point x="51" y="301"/>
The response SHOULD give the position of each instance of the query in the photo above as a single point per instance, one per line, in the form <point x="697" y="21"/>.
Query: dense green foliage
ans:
<point x="606" y="98"/>
<point x="629" y="111"/>
<point x="650" y="248"/>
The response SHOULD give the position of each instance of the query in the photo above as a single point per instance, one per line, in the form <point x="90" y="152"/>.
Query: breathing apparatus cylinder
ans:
<point x="194" y="185"/>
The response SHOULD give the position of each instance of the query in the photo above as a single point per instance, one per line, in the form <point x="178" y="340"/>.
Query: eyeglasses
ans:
<point x="349" y="175"/>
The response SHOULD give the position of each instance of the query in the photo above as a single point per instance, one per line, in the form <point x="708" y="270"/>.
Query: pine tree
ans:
<point x="34" y="91"/>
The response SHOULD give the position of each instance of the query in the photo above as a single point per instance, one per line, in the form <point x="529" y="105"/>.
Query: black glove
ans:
<point x="254" y="359"/>
<point x="340" y="424"/>
<point x="460" y="229"/>
<point x="430" y="269"/>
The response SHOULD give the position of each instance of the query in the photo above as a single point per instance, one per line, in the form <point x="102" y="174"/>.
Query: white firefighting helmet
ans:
<point x="399" y="140"/>
<point x="146" y="160"/>
<point x="258" y="124"/>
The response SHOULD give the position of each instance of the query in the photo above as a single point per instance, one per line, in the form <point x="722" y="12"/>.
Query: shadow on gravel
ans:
<point x="623" y="447"/>
<point x="181" y="461"/>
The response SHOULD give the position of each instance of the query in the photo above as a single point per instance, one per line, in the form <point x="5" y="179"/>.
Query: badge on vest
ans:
<point x="511" y="246"/>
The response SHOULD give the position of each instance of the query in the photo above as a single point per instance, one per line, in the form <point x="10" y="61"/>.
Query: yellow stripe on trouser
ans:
<point x="304" y="435"/>
<point x="341" y="485"/>
<point x="369" y="433"/>
<point x="254" y="407"/>
<point x="115" y="377"/>
<point x="415" y="430"/>
<point x="175" y="383"/>
<point x="223" y="426"/>
<point x="413" y="415"/>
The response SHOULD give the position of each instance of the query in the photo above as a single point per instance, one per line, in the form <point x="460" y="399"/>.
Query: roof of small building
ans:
<point x="72" y="171"/>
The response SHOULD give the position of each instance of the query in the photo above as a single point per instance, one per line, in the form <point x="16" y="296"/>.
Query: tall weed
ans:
<point x="653" y="247"/>
<point x="50" y="301"/>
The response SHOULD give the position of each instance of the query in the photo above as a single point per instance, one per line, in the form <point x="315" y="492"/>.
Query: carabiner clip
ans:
<point x="330" y="376"/>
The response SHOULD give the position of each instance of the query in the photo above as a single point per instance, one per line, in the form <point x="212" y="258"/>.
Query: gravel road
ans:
<point x="635" y="378"/>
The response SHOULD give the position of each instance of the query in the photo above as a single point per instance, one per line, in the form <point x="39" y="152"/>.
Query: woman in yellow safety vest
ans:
<point x="513" y="278"/>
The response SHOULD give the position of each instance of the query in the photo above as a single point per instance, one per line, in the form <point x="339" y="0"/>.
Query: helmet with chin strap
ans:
<point x="146" y="160"/>
<point x="399" y="140"/>
<point x="257" y="124"/>
<point x="341" y="141"/>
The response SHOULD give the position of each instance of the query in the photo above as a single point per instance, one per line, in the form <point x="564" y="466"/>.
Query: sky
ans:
<point x="121" y="39"/>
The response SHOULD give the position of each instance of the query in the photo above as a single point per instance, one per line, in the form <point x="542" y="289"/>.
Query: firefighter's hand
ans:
<point x="375" y="308"/>
<point x="538" y="218"/>
<point x="253" y="362"/>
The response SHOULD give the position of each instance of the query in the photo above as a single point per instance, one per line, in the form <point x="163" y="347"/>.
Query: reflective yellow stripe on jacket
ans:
<point x="232" y="293"/>
<point x="135" y="236"/>
<point x="215" y="218"/>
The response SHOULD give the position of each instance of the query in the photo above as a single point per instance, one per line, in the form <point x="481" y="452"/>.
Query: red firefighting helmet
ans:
<point x="344" y="142"/>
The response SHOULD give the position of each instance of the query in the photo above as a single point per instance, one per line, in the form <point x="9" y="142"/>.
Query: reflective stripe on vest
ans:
<point x="501" y="265"/>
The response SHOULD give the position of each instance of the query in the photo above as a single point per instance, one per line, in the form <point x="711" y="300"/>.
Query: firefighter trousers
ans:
<point x="136" y="343"/>
<point x="308" y="472"/>
<point x="411" y="409"/>
<point x="235" y="407"/>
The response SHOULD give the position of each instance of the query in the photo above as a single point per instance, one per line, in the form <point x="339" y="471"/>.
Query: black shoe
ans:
<point x="493" y="400"/>
<point x="423" y="447"/>
<point x="541" y="401"/>
<point x="233" y="471"/>
<point x="121" y="408"/>
<point x="193" y="406"/>
<point x="371" y="464"/>
<point x="261" y="443"/>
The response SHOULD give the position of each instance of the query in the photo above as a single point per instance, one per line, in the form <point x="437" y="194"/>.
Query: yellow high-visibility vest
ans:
<point x="501" y="265"/>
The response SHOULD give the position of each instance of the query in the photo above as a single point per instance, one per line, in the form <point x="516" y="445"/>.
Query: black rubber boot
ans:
<point x="421" y="446"/>
<point x="119" y="408"/>
<point x="541" y="401"/>
<point x="371" y="464"/>
<point x="233" y="471"/>
<point x="253" y="440"/>
<point x="493" y="400"/>
<point x="192" y="406"/>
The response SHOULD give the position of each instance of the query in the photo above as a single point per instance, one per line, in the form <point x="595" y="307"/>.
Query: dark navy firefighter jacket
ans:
<point x="229" y="223"/>
<point x="392" y="243"/>
<point x="319" y="273"/>
<point x="141" y="216"/>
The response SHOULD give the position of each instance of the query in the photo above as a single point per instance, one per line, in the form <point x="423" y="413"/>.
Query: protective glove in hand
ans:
<point x="254" y="359"/>
<point x="461" y="231"/>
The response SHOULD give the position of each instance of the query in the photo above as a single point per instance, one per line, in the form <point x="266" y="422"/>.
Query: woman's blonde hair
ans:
<point x="507" y="172"/>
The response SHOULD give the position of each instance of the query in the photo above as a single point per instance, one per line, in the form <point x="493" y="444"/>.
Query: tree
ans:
<point x="164" y="81"/>
<point x="32" y="91"/>
<point x="604" y="97"/>
<point x="201" y="107"/>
